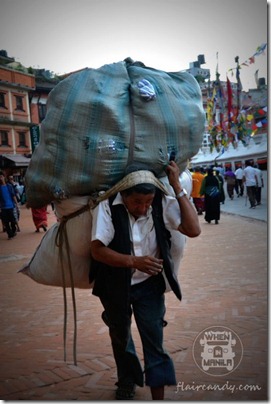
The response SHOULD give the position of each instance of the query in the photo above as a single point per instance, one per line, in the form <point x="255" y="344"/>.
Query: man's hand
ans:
<point x="173" y="174"/>
<point x="189" y="218"/>
<point x="147" y="264"/>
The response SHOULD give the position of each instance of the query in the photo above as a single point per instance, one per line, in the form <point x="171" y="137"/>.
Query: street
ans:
<point x="224" y="283"/>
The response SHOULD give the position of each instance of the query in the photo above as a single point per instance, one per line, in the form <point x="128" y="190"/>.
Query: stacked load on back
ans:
<point x="99" y="121"/>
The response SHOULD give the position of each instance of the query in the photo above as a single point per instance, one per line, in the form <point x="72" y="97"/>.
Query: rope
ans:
<point x="62" y="240"/>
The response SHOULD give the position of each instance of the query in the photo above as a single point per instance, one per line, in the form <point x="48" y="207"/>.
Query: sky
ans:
<point x="64" y="36"/>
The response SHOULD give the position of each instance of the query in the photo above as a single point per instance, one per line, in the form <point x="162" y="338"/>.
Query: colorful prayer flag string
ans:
<point x="259" y="51"/>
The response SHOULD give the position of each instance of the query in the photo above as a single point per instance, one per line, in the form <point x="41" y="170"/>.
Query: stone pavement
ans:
<point x="224" y="283"/>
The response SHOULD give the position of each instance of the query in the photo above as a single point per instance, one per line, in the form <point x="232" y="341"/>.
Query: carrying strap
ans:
<point x="62" y="241"/>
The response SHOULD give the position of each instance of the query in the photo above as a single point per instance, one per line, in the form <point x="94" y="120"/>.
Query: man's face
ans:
<point x="138" y="204"/>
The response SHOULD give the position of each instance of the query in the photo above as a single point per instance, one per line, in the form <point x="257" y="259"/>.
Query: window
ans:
<point x="19" y="102"/>
<point x="4" y="138"/>
<point x="42" y="111"/>
<point x="2" y="100"/>
<point x="22" y="142"/>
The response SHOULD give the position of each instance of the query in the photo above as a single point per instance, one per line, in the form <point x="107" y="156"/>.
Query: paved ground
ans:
<point x="224" y="282"/>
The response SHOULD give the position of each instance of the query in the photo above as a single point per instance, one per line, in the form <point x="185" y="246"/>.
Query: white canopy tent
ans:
<point x="240" y="153"/>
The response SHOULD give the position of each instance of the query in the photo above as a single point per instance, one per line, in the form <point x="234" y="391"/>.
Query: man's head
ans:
<point x="138" y="199"/>
<point x="248" y="163"/>
<point x="210" y="171"/>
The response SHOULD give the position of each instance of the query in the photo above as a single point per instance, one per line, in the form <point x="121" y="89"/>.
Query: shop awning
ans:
<point x="16" y="160"/>
<point x="262" y="160"/>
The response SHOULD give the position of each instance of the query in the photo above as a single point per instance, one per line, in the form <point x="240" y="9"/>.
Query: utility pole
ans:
<point x="240" y="129"/>
<point x="238" y="84"/>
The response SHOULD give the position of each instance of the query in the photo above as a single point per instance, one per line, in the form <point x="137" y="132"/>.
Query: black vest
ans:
<point x="116" y="282"/>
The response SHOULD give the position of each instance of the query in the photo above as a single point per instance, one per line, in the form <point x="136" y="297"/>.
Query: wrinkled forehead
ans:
<point x="137" y="199"/>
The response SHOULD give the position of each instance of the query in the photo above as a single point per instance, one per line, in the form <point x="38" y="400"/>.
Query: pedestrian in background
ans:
<point x="211" y="189"/>
<point x="198" y="200"/>
<point x="239" y="181"/>
<point x="219" y="168"/>
<point x="15" y="185"/>
<point x="222" y="192"/>
<point x="8" y="202"/>
<point x="251" y="182"/>
<point x="39" y="216"/>
<point x="16" y="211"/>
<point x="260" y="184"/>
<point x="230" y="181"/>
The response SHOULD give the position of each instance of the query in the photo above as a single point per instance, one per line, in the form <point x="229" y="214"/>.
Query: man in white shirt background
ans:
<point x="260" y="185"/>
<point x="251" y="182"/>
<point x="239" y="181"/>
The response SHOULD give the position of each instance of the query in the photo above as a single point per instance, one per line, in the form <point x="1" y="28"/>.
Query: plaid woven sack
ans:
<point x="99" y="121"/>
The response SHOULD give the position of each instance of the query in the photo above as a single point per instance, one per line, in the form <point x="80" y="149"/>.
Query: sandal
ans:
<point x="125" y="391"/>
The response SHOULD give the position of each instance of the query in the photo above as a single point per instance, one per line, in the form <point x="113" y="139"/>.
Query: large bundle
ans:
<point x="100" y="120"/>
<point x="63" y="255"/>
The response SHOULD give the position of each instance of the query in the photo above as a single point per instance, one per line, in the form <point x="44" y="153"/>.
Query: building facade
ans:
<point x="23" y="99"/>
<point x="15" y="117"/>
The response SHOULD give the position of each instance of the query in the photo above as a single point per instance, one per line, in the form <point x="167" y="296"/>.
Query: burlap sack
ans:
<point x="100" y="120"/>
<point x="45" y="266"/>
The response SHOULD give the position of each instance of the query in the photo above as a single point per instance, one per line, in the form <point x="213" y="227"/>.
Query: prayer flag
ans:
<point x="260" y="49"/>
<point x="229" y="90"/>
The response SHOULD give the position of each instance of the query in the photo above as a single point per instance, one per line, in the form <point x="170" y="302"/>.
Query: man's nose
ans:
<point x="143" y="209"/>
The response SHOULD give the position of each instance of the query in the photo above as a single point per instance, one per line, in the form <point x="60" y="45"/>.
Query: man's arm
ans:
<point x="190" y="222"/>
<point x="13" y="195"/>
<point x="101" y="253"/>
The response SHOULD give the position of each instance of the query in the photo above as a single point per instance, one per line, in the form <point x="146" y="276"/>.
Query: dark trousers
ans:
<point x="9" y="221"/>
<point x="258" y="194"/>
<point x="239" y="187"/>
<point x="251" y="193"/>
<point x="148" y="306"/>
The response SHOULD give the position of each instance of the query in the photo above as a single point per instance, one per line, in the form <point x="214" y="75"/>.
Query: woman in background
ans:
<point x="210" y="188"/>
<point x="39" y="216"/>
<point x="231" y="181"/>
<point x="198" y="200"/>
